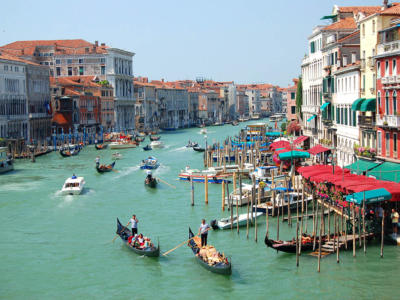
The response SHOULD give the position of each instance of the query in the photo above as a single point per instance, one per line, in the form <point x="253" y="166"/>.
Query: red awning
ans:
<point x="300" y="139"/>
<point x="317" y="149"/>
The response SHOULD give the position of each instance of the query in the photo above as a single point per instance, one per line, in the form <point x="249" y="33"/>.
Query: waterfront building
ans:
<point x="253" y="95"/>
<point x="193" y="106"/>
<point x="78" y="57"/>
<point x="146" y="114"/>
<point x="291" y="101"/>
<point x="242" y="103"/>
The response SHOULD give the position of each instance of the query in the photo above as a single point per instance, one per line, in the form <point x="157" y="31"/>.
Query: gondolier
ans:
<point x="203" y="231"/>
<point x="134" y="222"/>
<point x="97" y="161"/>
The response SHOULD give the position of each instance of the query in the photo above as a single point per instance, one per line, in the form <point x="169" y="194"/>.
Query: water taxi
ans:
<point x="156" y="144"/>
<point x="122" y="145"/>
<point x="73" y="186"/>
<point x="200" y="176"/>
<point x="225" y="223"/>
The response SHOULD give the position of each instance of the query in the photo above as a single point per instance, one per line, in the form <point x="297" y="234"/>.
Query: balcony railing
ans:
<point x="327" y="122"/>
<point x="388" y="121"/>
<point x="366" y="121"/>
<point x="388" y="47"/>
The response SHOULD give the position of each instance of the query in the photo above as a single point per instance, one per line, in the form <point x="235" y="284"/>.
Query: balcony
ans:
<point x="366" y="121"/>
<point x="327" y="96"/>
<point x="388" y="121"/>
<point x="388" y="48"/>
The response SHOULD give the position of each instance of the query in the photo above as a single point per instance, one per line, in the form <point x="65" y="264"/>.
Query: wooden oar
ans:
<point x="118" y="234"/>
<point x="166" y="183"/>
<point x="181" y="244"/>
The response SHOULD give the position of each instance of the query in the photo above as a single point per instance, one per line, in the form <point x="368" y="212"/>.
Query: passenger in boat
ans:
<point x="203" y="231"/>
<point x="134" y="224"/>
<point x="140" y="240"/>
<point x="149" y="177"/>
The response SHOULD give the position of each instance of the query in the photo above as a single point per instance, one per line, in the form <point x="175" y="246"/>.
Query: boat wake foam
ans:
<point x="127" y="171"/>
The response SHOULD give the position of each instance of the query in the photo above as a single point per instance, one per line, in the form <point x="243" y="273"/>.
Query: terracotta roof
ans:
<point x="6" y="56"/>
<point x="60" y="47"/>
<point x="346" y="23"/>
<point x="355" y="33"/>
<point x="71" y="92"/>
<point x="367" y="10"/>
<point x="393" y="10"/>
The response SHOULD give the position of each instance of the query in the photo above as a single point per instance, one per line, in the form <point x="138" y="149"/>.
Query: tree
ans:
<point x="283" y="127"/>
<point x="299" y="98"/>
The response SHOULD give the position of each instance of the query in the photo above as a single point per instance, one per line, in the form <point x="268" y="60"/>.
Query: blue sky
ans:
<point x="245" y="41"/>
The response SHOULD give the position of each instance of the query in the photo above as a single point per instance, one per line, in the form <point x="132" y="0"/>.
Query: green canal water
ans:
<point x="55" y="246"/>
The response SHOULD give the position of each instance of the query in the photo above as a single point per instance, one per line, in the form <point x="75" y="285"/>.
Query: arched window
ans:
<point x="394" y="103"/>
<point x="387" y="102"/>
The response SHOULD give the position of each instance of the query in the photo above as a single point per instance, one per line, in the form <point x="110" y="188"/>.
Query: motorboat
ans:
<point x="200" y="176"/>
<point x="281" y="201"/>
<point x="149" y="163"/>
<point x="122" y="144"/>
<point x="6" y="163"/>
<point x="73" y="186"/>
<point x="225" y="223"/>
<point x="203" y="130"/>
<point x="234" y="197"/>
<point x="264" y="173"/>
<point x="191" y="144"/>
<point x="156" y="144"/>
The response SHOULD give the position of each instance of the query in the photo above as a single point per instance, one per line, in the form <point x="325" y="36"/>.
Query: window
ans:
<point x="379" y="101"/>
<point x="387" y="102"/>
<point x="5" y="68"/>
<point x="16" y="69"/>
<point x="341" y="115"/>
<point x="394" y="103"/>
<point x="354" y="118"/>
<point x="363" y="30"/>
<point x="58" y="71"/>
<point x="363" y="87"/>
<point x="337" y="115"/>
<point x="312" y="47"/>
<point x="394" y="69"/>
<point x="373" y="26"/>
<point x="69" y="61"/>
<point x="387" y="68"/>
<point x="292" y="95"/>
<point x="103" y="70"/>
<point x="80" y="70"/>
<point x="378" y="69"/>
<point x="81" y="60"/>
<point x="102" y="60"/>
<point x="379" y="142"/>
<point x="394" y="143"/>
<point x="345" y="117"/>
<point x="387" y="143"/>
<point x="69" y="71"/>
<point x="293" y="109"/>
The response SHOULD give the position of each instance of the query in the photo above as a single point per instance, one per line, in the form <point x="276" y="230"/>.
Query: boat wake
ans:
<point x="126" y="171"/>
<point x="184" y="148"/>
<point x="162" y="170"/>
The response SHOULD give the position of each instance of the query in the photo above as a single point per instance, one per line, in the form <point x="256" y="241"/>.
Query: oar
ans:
<point x="181" y="244"/>
<point x="116" y="171"/>
<point x="166" y="183"/>
<point x="117" y="233"/>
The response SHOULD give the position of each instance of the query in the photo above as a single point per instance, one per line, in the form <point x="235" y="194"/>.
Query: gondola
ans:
<point x="124" y="233"/>
<point x="139" y="139"/>
<point x="105" y="168"/>
<point x="191" y="144"/>
<point x="147" y="148"/>
<point x="151" y="183"/>
<point x="69" y="153"/>
<point x="154" y="138"/>
<point x="290" y="246"/>
<point x="101" y="146"/>
<point x="224" y="268"/>
<point x="199" y="149"/>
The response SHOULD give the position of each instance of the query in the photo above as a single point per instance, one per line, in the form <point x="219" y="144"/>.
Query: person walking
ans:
<point x="395" y="219"/>
<point x="134" y="221"/>
<point x="203" y="231"/>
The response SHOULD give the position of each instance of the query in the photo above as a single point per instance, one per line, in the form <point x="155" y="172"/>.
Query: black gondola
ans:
<point x="154" y="137"/>
<point x="124" y="233"/>
<point x="199" y="149"/>
<point x="67" y="152"/>
<point x="100" y="146"/>
<point x="152" y="183"/>
<point x="224" y="268"/>
<point x="147" y="148"/>
<point x="105" y="168"/>
<point x="307" y="243"/>
<point x="139" y="139"/>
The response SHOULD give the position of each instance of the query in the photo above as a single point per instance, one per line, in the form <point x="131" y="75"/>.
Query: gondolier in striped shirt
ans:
<point x="203" y="231"/>
<point x="134" y="222"/>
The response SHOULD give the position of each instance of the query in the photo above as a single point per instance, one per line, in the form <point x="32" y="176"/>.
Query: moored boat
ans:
<point x="307" y="244"/>
<point x="225" y="223"/>
<point x="154" y="137"/>
<point x="198" y="149"/>
<point x="122" y="145"/>
<point x="73" y="186"/>
<point x="100" y="146"/>
<point x="68" y="153"/>
<point x="124" y="233"/>
<point x="208" y="257"/>
<point x="105" y="168"/>
<point x="6" y="163"/>
<point x="199" y="176"/>
<point x="281" y="202"/>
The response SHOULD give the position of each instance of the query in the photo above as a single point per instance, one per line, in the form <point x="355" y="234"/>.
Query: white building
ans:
<point x="254" y="102"/>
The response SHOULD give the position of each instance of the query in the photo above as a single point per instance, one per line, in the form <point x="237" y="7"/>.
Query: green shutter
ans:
<point x="337" y="115"/>
<point x="312" y="47"/>
<point x="354" y="119"/>
<point x="345" y="117"/>
<point x="324" y="85"/>
<point x="332" y="85"/>
<point x="332" y="112"/>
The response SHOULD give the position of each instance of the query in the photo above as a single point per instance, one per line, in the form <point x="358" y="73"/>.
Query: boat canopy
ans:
<point x="372" y="196"/>
<point x="274" y="133"/>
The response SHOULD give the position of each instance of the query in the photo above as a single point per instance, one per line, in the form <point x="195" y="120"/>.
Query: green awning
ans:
<point x="361" y="165"/>
<point x="368" y="105"/>
<point x="328" y="17"/>
<point x="371" y="196"/>
<point x="310" y="118"/>
<point x="387" y="171"/>
<point x="357" y="104"/>
<point x="293" y="154"/>
<point x="324" y="106"/>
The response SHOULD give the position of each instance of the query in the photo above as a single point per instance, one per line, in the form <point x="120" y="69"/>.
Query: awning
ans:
<point x="328" y="17"/>
<point x="293" y="154"/>
<point x="310" y="118"/>
<point x="278" y="133"/>
<point x="300" y="139"/>
<point x="361" y="165"/>
<point x="387" y="171"/>
<point x="357" y="104"/>
<point x="372" y="196"/>
<point x="60" y="119"/>
<point x="368" y="105"/>
<point x="280" y="144"/>
<point x="324" y="106"/>
<point x="318" y="149"/>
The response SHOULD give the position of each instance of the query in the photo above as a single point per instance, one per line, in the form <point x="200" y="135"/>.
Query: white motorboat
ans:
<point x="264" y="173"/>
<point x="122" y="145"/>
<point x="281" y="201"/>
<point x="225" y="223"/>
<point x="156" y="144"/>
<point x="234" y="197"/>
<point x="6" y="164"/>
<point x="203" y="131"/>
<point x="73" y="186"/>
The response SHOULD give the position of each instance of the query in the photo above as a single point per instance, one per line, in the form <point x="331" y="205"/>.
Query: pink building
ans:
<point x="291" y="101"/>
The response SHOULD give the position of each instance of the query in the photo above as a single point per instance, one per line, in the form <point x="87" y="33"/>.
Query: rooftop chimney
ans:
<point x="103" y="44"/>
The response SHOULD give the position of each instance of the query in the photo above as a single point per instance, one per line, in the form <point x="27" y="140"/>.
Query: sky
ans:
<point x="244" y="41"/>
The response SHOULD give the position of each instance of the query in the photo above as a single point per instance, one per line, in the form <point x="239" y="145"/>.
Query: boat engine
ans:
<point x="213" y="224"/>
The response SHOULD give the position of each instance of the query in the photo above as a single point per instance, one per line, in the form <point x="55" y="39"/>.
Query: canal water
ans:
<point x="55" y="246"/>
